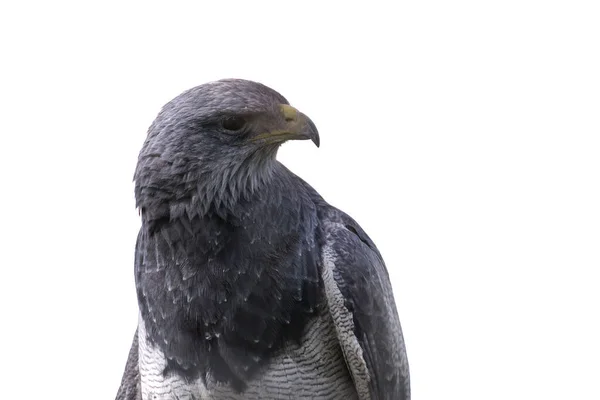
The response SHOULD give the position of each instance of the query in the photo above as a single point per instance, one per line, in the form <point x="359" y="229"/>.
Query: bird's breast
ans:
<point x="222" y="298"/>
<point x="314" y="368"/>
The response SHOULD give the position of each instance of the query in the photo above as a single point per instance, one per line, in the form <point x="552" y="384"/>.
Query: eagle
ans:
<point x="249" y="284"/>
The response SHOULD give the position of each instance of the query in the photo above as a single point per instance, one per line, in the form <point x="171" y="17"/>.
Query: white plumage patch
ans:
<point x="156" y="386"/>
<point x="314" y="370"/>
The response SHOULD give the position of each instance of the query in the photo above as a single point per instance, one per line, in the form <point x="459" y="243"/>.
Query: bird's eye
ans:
<point x="233" y="123"/>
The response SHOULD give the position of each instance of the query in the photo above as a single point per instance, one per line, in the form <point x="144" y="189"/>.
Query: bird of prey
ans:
<point x="250" y="285"/>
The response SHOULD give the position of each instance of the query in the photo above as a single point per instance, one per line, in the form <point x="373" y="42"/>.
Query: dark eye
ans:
<point x="233" y="123"/>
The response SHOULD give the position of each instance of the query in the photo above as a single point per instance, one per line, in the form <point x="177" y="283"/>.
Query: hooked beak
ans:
<point x="296" y="126"/>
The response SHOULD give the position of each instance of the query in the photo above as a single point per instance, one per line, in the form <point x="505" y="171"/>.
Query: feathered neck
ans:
<point x="175" y="189"/>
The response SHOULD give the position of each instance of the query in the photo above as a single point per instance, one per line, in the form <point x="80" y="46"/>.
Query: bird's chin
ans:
<point x="268" y="150"/>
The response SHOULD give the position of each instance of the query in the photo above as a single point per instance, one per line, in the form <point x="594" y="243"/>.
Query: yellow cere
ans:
<point x="289" y="112"/>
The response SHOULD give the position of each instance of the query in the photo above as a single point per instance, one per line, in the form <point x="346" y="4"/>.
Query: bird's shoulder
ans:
<point x="362" y="304"/>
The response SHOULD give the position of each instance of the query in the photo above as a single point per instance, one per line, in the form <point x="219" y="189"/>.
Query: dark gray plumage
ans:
<point x="250" y="286"/>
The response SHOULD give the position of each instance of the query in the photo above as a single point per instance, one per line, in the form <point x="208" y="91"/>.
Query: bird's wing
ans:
<point x="130" y="383"/>
<point x="361" y="302"/>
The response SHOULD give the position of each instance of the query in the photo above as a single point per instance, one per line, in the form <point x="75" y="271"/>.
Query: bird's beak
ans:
<point x="295" y="126"/>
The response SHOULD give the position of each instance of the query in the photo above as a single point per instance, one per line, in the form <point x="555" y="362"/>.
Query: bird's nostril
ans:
<point x="290" y="114"/>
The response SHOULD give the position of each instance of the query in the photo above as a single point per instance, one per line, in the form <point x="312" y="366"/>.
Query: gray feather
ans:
<point x="362" y="304"/>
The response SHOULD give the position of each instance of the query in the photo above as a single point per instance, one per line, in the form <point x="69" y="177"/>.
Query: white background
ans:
<point x="462" y="135"/>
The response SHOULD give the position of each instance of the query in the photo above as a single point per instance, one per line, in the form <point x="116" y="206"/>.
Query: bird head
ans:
<point x="214" y="143"/>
